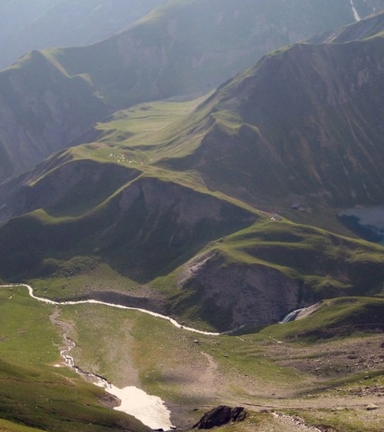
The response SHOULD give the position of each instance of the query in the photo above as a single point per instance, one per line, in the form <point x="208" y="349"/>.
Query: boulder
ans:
<point x="219" y="416"/>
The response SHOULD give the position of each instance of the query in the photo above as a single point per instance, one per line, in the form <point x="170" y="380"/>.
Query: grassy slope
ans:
<point x="7" y="426"/>
<point x="249" y="367"/>
<point x="265" y="140"/>
<point x="137" y="125"/>
<point x="32" y="391"/>
<point x="110" y="232"/>
<point x="91" y="210"/>
<point x="319" y="258"/>
<point x="321" y="264"/>
<point x="339" y="317"/>
<point x="326" y="264"/>
<point x="275" y="244"/>
<point x="143" y="352"/>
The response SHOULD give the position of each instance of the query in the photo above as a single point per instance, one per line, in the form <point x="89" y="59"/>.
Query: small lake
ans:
<point x="367" y="222"/>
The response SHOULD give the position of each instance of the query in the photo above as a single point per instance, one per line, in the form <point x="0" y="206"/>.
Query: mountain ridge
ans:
<point x="219" y="213"/>
<point x="237" y="144"/>
<point x="163" y="55"/>
<point x="47" y="24"/>
<point x="301" y="113"/>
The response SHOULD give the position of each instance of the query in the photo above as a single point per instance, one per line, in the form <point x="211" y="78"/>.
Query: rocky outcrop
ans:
<point x="220" y="416"/>
<point x="235" y="294"/>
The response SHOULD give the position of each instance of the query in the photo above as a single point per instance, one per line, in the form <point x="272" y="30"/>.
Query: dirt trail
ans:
<point x="285" y="423"/>
<point x="208" y="378"/>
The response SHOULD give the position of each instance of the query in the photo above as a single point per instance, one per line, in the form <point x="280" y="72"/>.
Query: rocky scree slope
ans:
<point x="50" y="98"/>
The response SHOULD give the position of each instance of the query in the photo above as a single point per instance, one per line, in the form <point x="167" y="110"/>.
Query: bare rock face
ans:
<point x="240" y="294"/>
<point x="219" y="416"/>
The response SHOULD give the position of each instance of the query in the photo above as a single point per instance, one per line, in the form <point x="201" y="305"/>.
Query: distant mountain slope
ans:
<point x="367" y="27"/>
<point x="186" y="47"/>
<point x="102" y="217"/>
<point x="28" y="25"/>
<point x="181" y="48"/>
<point x="304" y="124"/>
<point x="37" y="118"/>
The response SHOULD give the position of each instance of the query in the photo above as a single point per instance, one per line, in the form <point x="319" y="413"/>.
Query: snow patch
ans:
<point x="355" y="13"/>
<point x="150" y="410"/>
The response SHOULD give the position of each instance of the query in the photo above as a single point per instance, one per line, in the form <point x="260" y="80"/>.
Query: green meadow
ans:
<point x="35" y="395"/>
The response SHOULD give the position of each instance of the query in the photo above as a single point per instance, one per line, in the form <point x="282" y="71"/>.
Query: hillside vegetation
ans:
<point x="218" y="211"/>
<point x="303" y="126"/>
<point x="183" y="47"/>
<point x="210" y="259"/>
<point x="35" y="395"/>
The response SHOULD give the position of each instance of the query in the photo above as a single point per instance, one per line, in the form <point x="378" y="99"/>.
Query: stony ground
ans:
<point x="332" y="399"/>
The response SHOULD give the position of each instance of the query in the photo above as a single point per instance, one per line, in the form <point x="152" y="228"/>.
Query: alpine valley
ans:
<point x="207" y="164"/>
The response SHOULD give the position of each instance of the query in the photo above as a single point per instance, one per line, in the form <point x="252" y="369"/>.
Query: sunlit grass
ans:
<point x="32" y="391"/>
